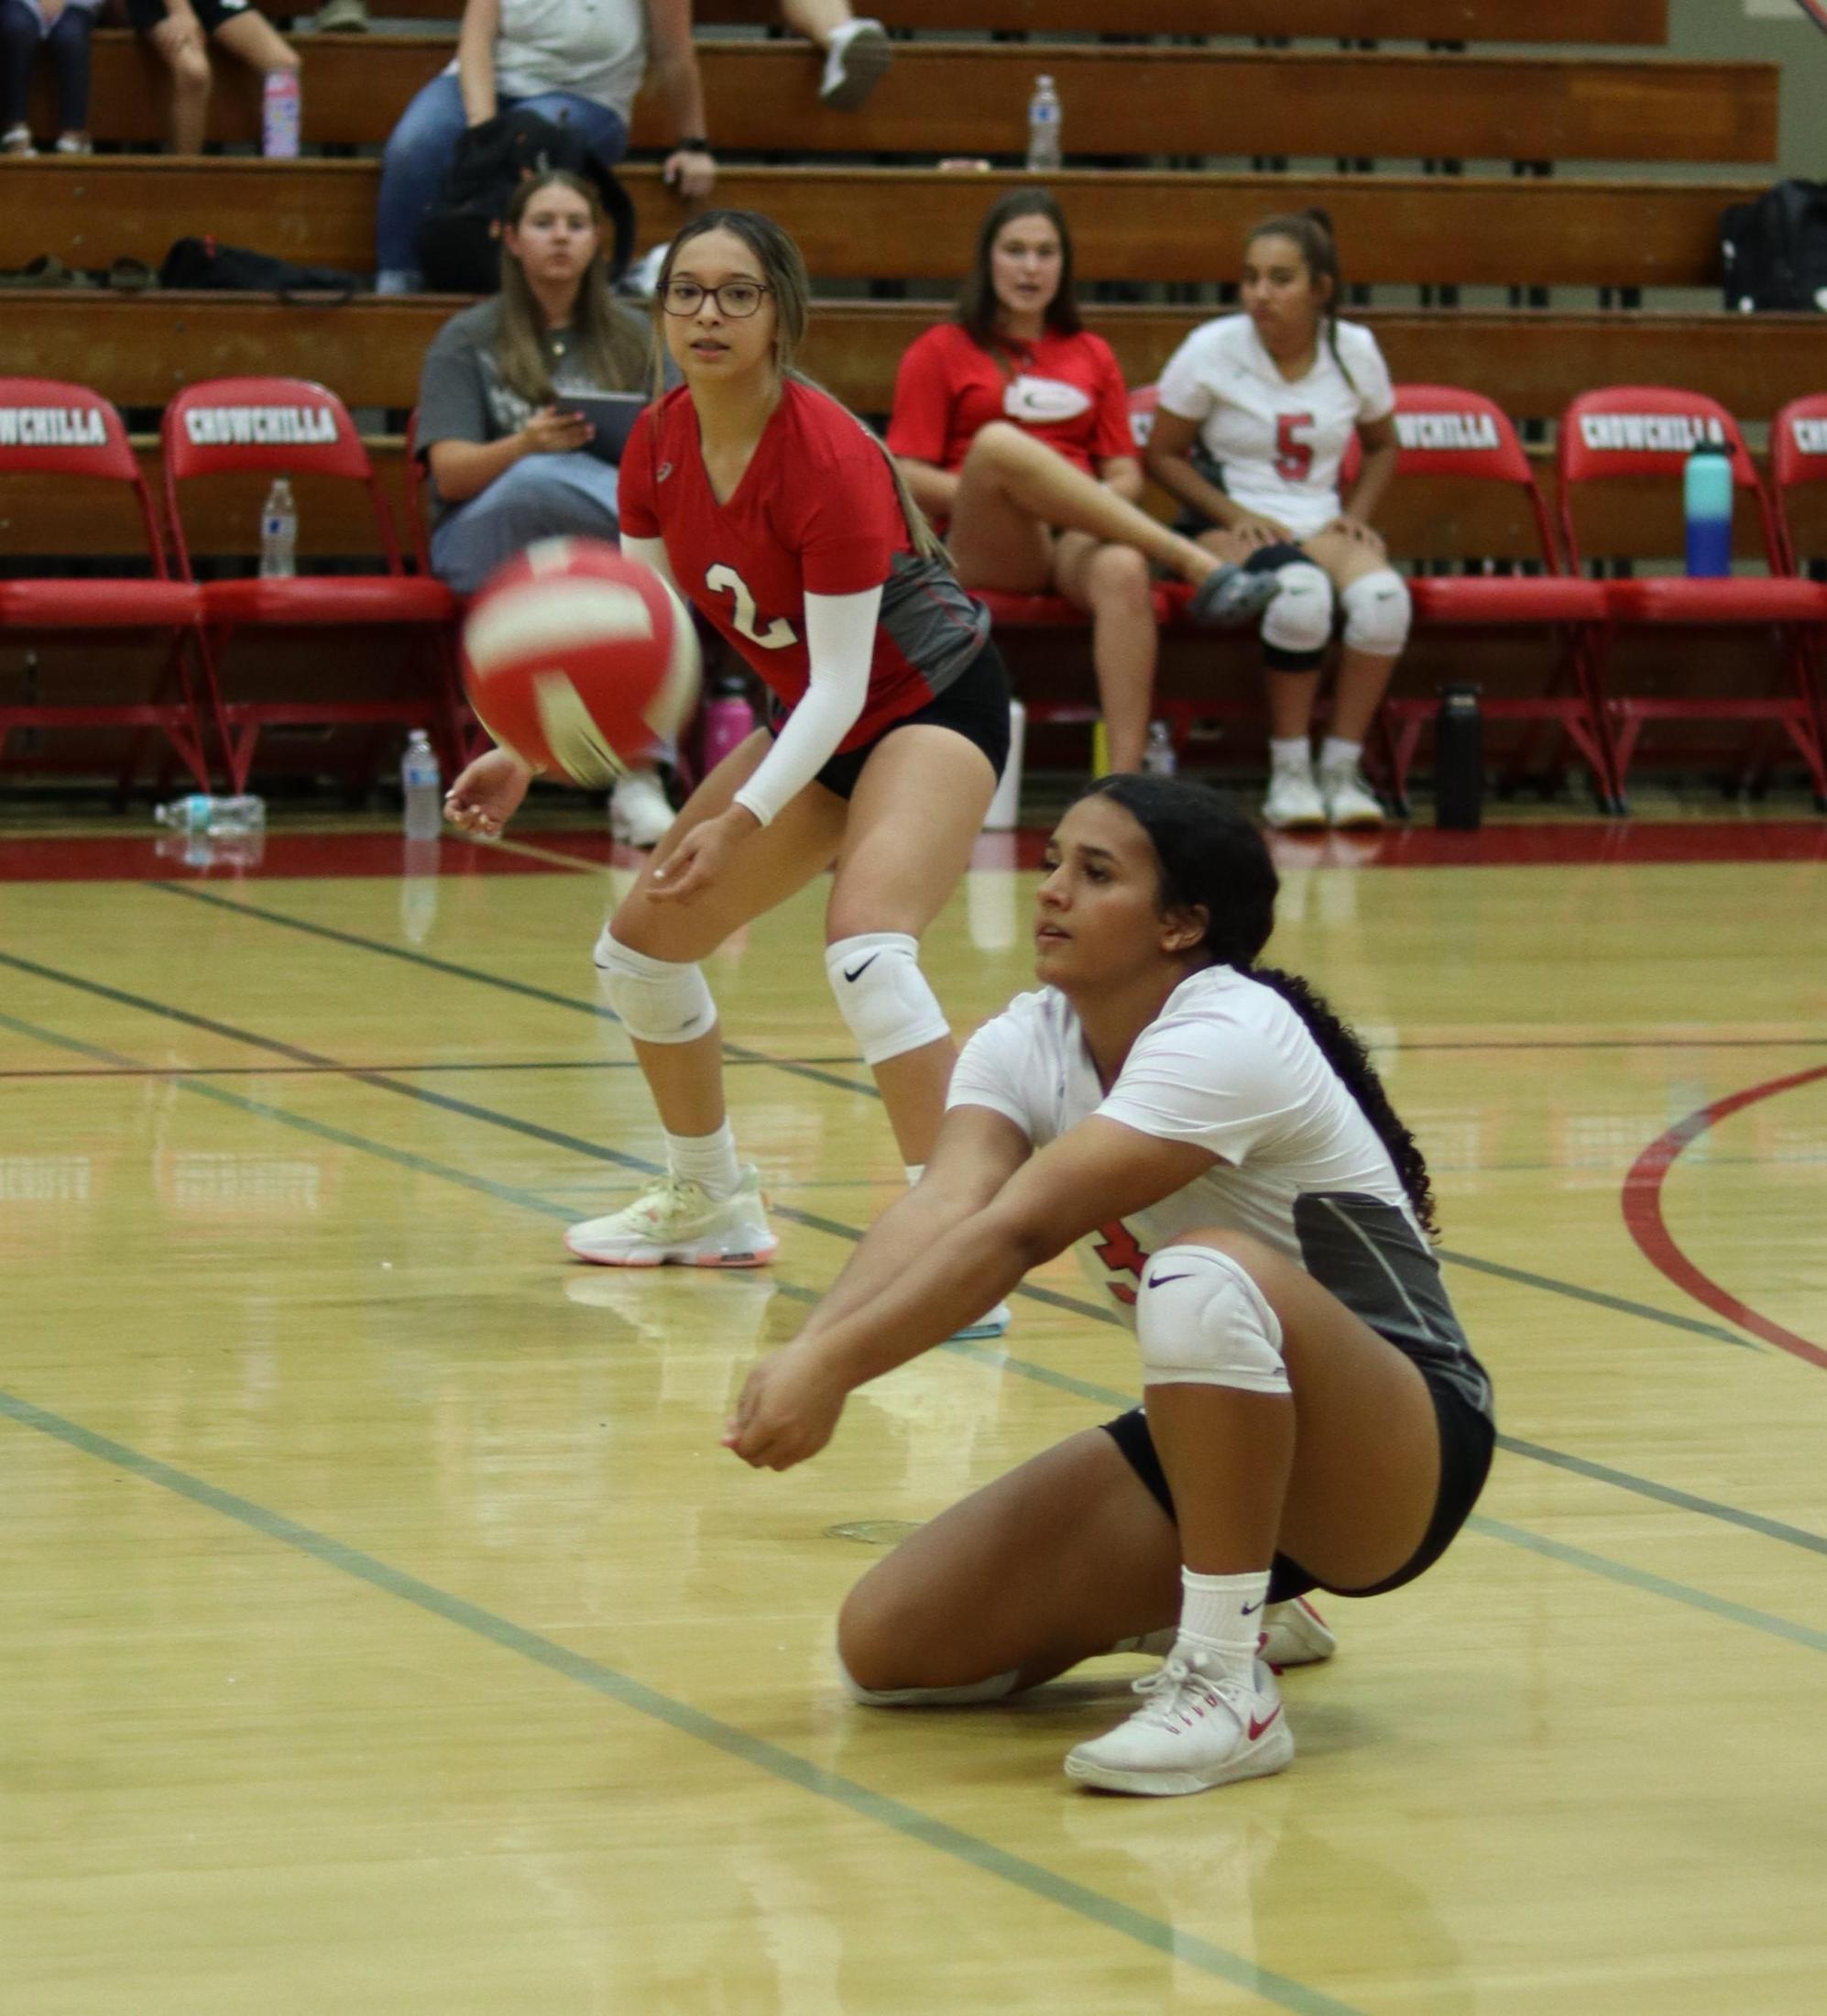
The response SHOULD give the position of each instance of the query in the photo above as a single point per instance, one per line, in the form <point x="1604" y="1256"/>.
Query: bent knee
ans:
<point x="1119" y="574"/>
<point x="190" y="70"/>
<point x="868" y="1638"/>
<point x="997" y="444"/>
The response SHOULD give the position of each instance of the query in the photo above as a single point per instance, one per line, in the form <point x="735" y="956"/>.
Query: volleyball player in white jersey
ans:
<point x="1218" y="1143"/>
<point x="1272" y="397"/>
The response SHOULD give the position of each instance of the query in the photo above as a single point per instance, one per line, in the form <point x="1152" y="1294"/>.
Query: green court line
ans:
<point x="735" y="1053"/>
<point x="1640" y="1578"/>
<point x="984" y="1353"/>
<point x="1598" y="1298"/>
<point x="955" y="1843"/>
<point x="1690" y="1325"/>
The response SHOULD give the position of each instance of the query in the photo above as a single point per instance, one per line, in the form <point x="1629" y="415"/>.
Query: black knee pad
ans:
<point x="1267" y="559"/>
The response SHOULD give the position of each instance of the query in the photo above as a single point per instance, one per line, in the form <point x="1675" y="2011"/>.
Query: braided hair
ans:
<point x="1310" y="231"/>
<point x="1212" y="858"/>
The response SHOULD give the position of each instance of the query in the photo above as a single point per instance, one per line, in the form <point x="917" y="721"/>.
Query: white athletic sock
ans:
<point x="913" y="1171"/>
<point x="1294" y="753"/>
<point x="708" y="1160"/>
<point x="1335" y="754"/>
<point x="1222" y="1616"/>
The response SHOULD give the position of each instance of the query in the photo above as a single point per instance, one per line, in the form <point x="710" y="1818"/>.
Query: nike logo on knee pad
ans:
<point x="1161" y="1280"/>
<point x="857" y="972"/>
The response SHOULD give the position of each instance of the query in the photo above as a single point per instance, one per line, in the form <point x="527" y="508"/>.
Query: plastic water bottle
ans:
<point x="1044" y="128"/>
<point x="281" y="116"/>
<point x="1706" y="495"/>
<point x="1459" y="760"/>
<point x="278" y="533"/>
<point x="421" y="787"/>
<point x="729" y="722"/>
<point x="1158" y="759"/>
<point x="1006" y="804"/>
<point x="217" y="817"/>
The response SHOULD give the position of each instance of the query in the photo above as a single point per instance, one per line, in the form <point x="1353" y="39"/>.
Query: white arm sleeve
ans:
<point x="840" y="643"/>
<point x="652" y="552"/>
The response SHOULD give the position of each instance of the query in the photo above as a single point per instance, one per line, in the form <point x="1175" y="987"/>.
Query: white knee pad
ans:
<point x="1202" y="1320"/>
<point x="1299" y="620"/>
<point x="992" y="1689"/>
<point x="884" y="995"/>
<point x="1377" y="610"/>
<point x="658" y="1000"/>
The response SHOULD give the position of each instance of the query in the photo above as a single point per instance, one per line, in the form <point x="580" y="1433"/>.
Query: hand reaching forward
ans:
<point x="787" y="1411"/>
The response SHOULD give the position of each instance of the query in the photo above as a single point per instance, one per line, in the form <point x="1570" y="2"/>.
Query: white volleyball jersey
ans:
<point x="1278" y="443"/>
<point x="1229" y="1065"/>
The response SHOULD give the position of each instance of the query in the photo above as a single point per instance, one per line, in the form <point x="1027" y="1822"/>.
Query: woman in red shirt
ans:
<point x="1011" y="423"/>
<point x="774" y="511"/>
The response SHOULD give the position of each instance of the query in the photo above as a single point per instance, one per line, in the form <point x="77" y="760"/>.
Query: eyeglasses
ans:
<point x="736" y="298"/>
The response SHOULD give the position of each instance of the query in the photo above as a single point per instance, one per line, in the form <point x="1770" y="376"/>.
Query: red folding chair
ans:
<point x="1641" y="435"/>
<point x="1449" y="434"/>
<point x="293" y="427"/>
<point x="51" y="429"/>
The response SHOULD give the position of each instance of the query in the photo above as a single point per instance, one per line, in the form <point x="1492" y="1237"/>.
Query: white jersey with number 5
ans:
<point x="1229" y="1066"/>
<point x="1278" y="443"/>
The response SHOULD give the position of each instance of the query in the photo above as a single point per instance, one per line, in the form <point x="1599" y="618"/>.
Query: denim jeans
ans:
<point x="423" y="146"/>
<point x="542" y="497"/>
<point x="69" y="43"/>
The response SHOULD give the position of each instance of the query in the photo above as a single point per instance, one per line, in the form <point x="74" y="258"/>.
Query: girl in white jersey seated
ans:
<point x="780" y="519"/>
<point x="1208" y="1134"/>
<point x="1271" y="397"/>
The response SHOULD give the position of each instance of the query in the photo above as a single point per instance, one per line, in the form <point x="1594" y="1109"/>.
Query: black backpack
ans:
<point x="202" y="262"/>
<point x="1773" y="252"/>
<point x="460" y="241"/>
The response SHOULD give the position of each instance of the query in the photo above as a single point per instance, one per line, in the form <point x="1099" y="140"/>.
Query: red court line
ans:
<point x="1585" y="843"/>
<point x="1642" y="1201"/>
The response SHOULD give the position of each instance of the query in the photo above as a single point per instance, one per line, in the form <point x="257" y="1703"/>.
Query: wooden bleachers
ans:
<point x="943" y="99"/>
<point x="919" y="224"/>
<point x="1643" y="23"/>
<point x="139" y="349"/>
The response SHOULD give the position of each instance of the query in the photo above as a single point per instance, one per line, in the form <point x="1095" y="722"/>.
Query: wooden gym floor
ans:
<point x="384" y="1629"/>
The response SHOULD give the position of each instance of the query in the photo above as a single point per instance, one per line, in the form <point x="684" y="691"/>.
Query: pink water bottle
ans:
<point x="729" y="722"/>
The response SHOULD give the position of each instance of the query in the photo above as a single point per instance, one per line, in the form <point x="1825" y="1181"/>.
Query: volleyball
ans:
<point x="579" y="660"/>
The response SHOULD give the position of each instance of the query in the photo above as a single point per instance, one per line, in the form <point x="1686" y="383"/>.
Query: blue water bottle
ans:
<point x="1706" y="494"/>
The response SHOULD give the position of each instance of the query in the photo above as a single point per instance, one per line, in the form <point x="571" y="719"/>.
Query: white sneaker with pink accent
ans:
<point x="1197" y="1727"/>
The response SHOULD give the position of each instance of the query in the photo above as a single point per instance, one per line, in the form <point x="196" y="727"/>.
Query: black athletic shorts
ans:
<point x="1467" y="1438"/>
<point x="146" y="14"/>
<point x="975" y="705"/>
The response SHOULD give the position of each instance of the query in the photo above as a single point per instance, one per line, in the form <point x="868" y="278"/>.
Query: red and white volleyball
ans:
<point x="580" y="660"/>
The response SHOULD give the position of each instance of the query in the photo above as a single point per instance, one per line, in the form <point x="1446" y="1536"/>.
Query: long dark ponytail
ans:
<point x="1212" y="858"/>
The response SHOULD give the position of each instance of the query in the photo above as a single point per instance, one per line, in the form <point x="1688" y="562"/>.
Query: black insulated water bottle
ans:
<point x="1459" y="760"/>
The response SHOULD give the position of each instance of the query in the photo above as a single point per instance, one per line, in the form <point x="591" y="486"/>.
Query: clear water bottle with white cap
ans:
<point x="420" y="787"/>
<point x="1043" y="155"/>
<point x="278" y="533"/>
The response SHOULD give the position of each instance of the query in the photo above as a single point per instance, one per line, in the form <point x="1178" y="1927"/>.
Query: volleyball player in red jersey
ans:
<point x="777" y="514"/>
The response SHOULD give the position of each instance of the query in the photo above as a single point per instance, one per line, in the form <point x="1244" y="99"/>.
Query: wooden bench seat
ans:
<point x="1641" y="23"/>
<point x="941" y="99"/>
<point x="910" y="223"/>
<point x="138" y="349"/>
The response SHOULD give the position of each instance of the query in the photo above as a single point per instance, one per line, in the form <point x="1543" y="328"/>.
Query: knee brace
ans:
<point x="992" y="1689"/>
<point x="1200" y="1319"/>
<point x="884" y="995"/>
<point x="658" y="1000"/>
<point x="1297" y="625"/>
<point x="1378" y="608"/>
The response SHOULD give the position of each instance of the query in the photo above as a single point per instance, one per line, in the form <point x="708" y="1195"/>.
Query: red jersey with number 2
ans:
<point x="816" y="513"/>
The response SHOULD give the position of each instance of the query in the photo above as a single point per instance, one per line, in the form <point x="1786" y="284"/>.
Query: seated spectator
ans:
<point x="509" y="462"/>
<point x="856" y="51"/>
<point x="1011" y="424"/>
<point x="63" y="27"/>
<point x="573" y="63"/>
<point x="181" y="32"/>
<point x="1273" y="395"/>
